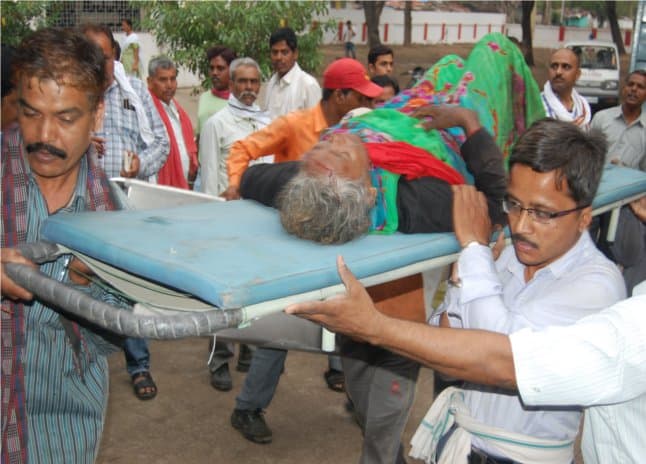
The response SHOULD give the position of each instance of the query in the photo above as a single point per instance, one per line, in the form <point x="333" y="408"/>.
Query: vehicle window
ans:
<point x="598" y="58"/>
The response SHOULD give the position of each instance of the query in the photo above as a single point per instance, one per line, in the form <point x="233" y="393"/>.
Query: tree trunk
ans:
<point x="611" y="10"/>
<point x="547" y="13"/>
<point x="372" y="12"/>
<point x="526" y="23"/>
<point x="408" y="22"/>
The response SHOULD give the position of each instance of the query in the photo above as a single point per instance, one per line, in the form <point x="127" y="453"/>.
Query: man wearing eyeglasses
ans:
<point x="552" y="274"/>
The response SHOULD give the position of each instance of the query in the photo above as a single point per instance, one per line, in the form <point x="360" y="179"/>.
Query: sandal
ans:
<point x="335" y="380"/>
<point x="144" y="386"/>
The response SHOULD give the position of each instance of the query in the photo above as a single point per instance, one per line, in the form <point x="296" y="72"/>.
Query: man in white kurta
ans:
<point x="289" y="88"/>
<point x="235" y="121"/>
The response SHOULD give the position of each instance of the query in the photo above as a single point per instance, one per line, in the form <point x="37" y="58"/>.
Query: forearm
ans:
<point x="473" y="355"/>
<point x="154" y="155"/>
<point x="237" y="163"/>
<point x="264" y="142"/>
<point x="153" y="158"/>
<point x="484" y="160"/>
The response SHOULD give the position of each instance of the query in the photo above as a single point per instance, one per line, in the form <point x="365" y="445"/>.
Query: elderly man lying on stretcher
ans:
<point x="339" y="189"/>
<point x="336" y="193"/>
<point x="386" y="171"/>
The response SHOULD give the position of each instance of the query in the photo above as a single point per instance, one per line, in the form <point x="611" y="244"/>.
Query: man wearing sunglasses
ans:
<point x="552" y="274"/>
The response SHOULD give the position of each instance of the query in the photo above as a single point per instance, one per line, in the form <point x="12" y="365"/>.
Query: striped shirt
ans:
<point x="65" y="410"/>
<point x="598" y="362"/>
<point x="121" y="129"/>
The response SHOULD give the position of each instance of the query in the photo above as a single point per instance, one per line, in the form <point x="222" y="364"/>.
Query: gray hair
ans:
<point x="325" y="209"/>
<point x="160" y="62"/>
<point x="244" y="61"/>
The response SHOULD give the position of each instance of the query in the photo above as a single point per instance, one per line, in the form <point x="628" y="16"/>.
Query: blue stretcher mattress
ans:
<point x="236" y="254"/>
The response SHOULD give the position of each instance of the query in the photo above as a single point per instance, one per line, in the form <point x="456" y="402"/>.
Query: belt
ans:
<point x="478" y="456"/>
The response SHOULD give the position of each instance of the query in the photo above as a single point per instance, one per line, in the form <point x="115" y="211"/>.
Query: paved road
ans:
<point x="188" y="422"/>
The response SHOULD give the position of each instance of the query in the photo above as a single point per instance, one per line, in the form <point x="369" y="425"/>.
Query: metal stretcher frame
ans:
<point x="627" y="185"/>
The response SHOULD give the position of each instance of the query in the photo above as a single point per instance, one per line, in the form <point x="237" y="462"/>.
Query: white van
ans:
<point x="599" y="81"/>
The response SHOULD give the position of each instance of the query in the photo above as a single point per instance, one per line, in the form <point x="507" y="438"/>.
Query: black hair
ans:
<point x="7" y="57"/>
<point x="226" y="53"/>
<point x="327" y="93"/>
<point x="377" y="51"/>
<point x="386" y="81"/>
<point x="577" y="156"/>
<point x="639" y="72"/>
<point x="287" y="34"/>
<point x="65" y="56"/>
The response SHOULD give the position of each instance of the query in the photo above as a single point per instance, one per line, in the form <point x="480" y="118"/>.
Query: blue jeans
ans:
<point x="137" y="355"/>
<point x="349" y="50"/>
<point x="262" y="379"/>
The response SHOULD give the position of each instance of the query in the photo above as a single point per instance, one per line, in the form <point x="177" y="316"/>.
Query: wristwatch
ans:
<point x="471" y="243"/>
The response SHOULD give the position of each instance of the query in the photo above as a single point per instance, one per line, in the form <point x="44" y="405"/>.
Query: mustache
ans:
<point x="249" y="94"/>
<point x="521" y="238"/>
<point x="40" y="146"/>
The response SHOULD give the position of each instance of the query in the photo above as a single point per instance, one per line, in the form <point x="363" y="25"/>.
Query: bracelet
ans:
<point x="457" y="283"/>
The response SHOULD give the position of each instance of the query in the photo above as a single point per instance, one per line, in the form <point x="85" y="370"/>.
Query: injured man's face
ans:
<point x="340" y="154"/>
<point x="330" y="199"/>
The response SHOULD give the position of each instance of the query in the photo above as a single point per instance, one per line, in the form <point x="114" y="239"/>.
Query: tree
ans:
<point x="611" y="10"/>
<point x="185" y="30"/>
<point x="547" y="13"/>
<point x="408" y="22"/>
<point x="372" y="12"/>
<point x="21" y="18"/>
<point x="526" y="23"/>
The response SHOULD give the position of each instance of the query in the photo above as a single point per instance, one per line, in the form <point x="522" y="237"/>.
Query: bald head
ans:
<point x="563" y="72"/>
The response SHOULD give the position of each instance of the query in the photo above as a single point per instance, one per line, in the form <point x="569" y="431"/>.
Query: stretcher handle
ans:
<point x="118" y="320"/>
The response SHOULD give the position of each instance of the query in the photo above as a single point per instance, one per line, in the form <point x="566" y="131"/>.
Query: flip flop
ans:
<point x="144" y="386"/>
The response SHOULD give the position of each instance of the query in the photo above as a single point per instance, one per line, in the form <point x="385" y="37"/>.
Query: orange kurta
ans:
<point x="287" y="138"/>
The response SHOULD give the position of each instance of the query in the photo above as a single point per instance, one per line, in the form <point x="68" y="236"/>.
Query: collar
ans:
<point x="112" y="86"/>
<point x="171" y="107"/>
<point x="77" y="201"/>
<point x="619" y="113"/>
<point x="561" y="266"/>
<point x="290" y="76"/>
<point x="223" y="94"/>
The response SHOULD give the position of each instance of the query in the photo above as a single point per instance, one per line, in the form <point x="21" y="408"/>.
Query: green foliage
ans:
<point x="186" y="29"/>
<point x="20" y="18"/>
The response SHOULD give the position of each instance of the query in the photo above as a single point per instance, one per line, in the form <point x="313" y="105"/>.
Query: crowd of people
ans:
<point x="467" y="150"/>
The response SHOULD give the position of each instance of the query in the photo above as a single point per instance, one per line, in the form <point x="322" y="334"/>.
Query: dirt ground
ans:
<point x="189" y="420"/>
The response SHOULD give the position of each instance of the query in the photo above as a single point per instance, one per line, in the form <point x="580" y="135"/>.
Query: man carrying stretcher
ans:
<point x="384" y="171"/>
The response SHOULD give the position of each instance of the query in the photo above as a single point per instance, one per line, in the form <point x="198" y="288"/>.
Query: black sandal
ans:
<point x="144" y="386"/>
<point x="335" y="380"/>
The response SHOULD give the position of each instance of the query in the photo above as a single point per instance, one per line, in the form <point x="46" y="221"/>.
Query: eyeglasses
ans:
<point x="514" y="208"/>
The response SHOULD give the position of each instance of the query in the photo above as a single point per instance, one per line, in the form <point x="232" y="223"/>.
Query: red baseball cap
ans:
<point x="346" y="73"/>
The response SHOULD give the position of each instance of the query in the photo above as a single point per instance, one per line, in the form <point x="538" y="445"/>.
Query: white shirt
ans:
<point x="348" y="34"/>
<point x="173" y="116"/>
<point x="599" y="362"/>
<point x="218" y="134"/>
<point x="495" y="296"/>
<point x="296" y="90"/>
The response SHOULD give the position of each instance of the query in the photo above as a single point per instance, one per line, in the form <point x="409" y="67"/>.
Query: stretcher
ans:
<point x="205" y="266"/>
